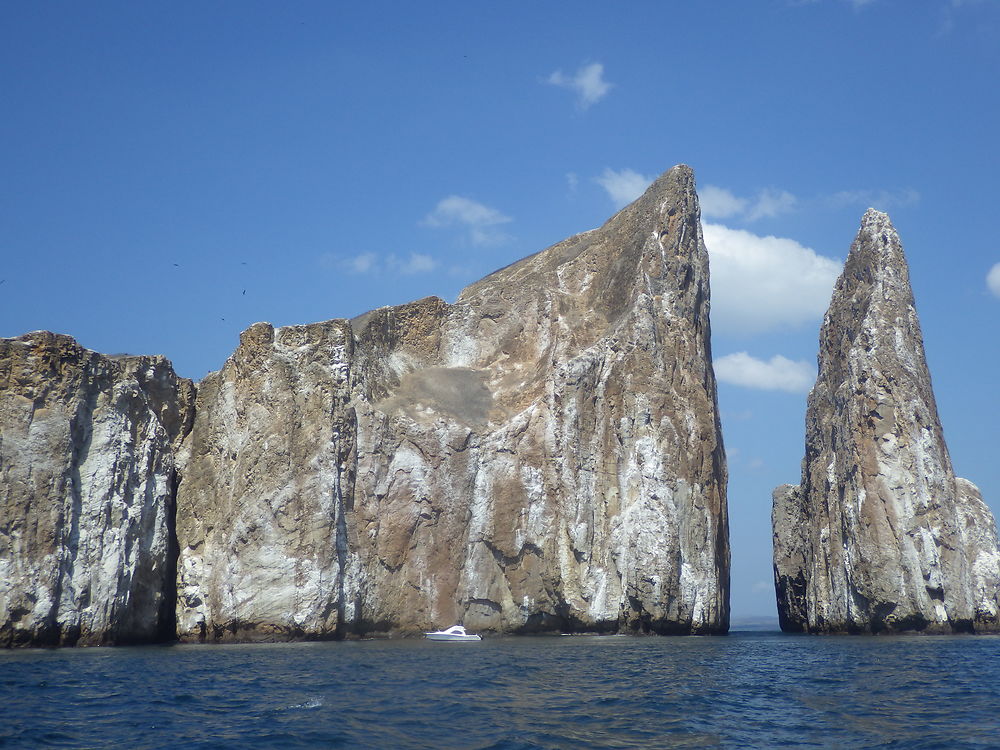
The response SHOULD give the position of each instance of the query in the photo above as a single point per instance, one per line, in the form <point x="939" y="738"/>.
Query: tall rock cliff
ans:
<point x="880" y="535"/>
<point x="543" y="454"/>
<point x="87" y="484"/>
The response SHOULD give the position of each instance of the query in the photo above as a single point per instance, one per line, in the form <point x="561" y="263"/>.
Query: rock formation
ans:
<point x="880" y="536"/>
<point x="543" y="454"/>
<point x="87" y="484"/>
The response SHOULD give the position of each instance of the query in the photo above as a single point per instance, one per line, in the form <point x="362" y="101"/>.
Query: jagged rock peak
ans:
<point x="876" y="258"/>
<point x="880" y="535"/>
<point x="543" y="454"/>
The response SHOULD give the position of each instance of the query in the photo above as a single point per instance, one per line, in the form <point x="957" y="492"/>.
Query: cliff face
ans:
<point x="880" y="535"/>
<point x="87" y="483"/>
<point x="261" y="513"/>
<point x="545" y="453"/>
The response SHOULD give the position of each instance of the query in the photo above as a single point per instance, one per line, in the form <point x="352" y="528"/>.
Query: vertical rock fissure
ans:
<point x="167" y="616"/>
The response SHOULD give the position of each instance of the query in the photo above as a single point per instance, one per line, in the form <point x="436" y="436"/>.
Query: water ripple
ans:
<point x="747" y="690"/>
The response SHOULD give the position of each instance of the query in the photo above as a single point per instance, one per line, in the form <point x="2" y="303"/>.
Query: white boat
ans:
<point x="454" y="633"/>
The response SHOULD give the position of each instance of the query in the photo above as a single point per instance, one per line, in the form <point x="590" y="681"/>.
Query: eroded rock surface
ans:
<point x="880" y="535"/>
<point x="87" y="483"/>
<point x="543" y="454"/>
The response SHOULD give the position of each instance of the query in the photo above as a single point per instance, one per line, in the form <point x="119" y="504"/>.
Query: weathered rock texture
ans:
<point x="543" y="454"/>
<point x="880" y="535"/>
<point x="87" y="483"/>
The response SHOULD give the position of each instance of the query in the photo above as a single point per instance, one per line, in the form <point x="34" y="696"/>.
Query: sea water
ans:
<point x="748" y="689"/>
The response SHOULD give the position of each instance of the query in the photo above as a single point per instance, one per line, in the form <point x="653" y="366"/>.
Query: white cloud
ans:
<point x="720" y="203"/>
<point x="880" y="199"/>
<point x="572" y="181"/>
<point x="777" y="374"/>
<point x="416" y="263"/>
<point x="362" y="263"/>
<point x="588" y="83"/>
<point x="373" y="263"/>
<point x="623" y="186"/>
<point x="857" y="4"/>
<point x="993" y="279"/>
<point x="765" y="283"/>
<point x="456" y="209"/>
<point x="480" y="220"/>
<point x="770" y="203"/>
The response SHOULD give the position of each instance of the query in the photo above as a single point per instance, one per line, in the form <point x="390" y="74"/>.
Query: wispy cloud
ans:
<point x="770" y="203"/>
<point x="480" y="221"/>
<point x="993" y="279"/>
<point x="414" y="263"/>
<point x="588" y="83"/>
<point x="956" y="11"/>
<point x="856" y="4"/>
<point x="765" y="283"/>
<point x="362" y="263"/>
<point x="373" y="263"/>
<point x="720" y="203"/>
<point x="623" y="186"/>
<point x="880" y="199"/>
<point x="776" y="374"/>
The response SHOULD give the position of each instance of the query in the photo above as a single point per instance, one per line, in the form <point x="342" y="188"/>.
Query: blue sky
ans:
<point x="172" y="173"/>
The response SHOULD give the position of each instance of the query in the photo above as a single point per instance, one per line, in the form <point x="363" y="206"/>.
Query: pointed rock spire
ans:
<point x="880" y="535"/>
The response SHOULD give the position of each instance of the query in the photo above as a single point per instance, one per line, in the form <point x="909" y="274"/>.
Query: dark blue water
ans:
<point x="745" y="690"/>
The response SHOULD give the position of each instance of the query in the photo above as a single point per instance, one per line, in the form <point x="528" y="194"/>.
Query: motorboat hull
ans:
<point x="445" y="637"/>
<point x="454" y="633"/>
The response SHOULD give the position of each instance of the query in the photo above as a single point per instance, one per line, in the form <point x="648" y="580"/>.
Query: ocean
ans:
<point x="745" y="690"/>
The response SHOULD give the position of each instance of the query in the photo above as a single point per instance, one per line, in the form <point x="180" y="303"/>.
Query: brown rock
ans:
<point x="87" y="490"/>
<point x="880" y="536"/>
<point x="543" y="454"/>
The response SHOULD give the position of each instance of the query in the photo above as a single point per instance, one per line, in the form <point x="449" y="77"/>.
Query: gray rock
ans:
<point x="880" y="536"/>
<point x="87" y="489"/>
<point x="543" y="454"/>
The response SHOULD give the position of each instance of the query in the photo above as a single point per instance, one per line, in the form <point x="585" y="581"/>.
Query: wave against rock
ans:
<point x="543" y="454"/>
<point x="880" y="536"/>
<point x="87" y="483"/>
